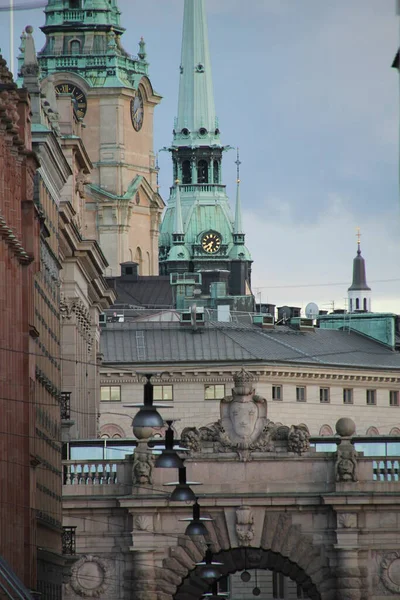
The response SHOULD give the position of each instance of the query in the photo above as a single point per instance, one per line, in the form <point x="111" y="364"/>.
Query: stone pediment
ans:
<point x="244" y="427"/>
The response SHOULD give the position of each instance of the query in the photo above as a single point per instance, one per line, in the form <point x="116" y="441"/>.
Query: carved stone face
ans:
<point x="244" y="416"/>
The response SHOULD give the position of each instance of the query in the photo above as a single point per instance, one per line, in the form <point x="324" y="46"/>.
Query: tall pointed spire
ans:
<point x="238" y="227"/>
<point x="359" y="292"/>
<point x="196" y="123"/>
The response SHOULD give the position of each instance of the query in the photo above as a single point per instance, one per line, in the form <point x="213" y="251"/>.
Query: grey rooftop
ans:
<point x="150" y="343"/>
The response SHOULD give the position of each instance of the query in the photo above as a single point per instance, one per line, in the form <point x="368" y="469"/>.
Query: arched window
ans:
<point x="216" y="171"/>
<point x="202" y="171"/>
<point x="148" y="263"/>
<point x="372" y="431"/>
<point x="75" y="47"/>
<point x="365" y="304"/>
<point x="139" y="260"/>
<point x="130" y="255"/>
<point x="111" y="430"/>
<point x="357" y="303"/>
<point x="326" y="430"/>
<point x="186" y="172"/>
<point x="351" y="305"/>
<point x="395" y="431"/>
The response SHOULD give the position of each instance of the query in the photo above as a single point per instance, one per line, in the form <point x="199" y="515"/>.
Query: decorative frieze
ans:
<point x="70" y="307"/>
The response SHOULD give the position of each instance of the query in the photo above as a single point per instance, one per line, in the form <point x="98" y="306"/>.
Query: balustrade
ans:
<point x="91" y="472"/>
<point x="386" y="470"/>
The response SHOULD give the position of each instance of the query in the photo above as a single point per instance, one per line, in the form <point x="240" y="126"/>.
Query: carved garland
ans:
<point x="75" y="306"/>
<point x="104" y="581"/>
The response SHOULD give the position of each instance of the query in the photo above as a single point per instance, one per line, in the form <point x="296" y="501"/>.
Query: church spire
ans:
<point x="359" y="292"/>
<point x="196" y="124"/>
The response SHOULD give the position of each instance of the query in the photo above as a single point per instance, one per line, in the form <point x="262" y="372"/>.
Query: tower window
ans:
<point x="216" y="171"/>
<point x="186" y="172"/>
<point x="351" y="305"/>
<point x="75" y="47"/>
<point x="202" y="171"/>
<point x="357" y="303"/>
<point x="365" y="304"/>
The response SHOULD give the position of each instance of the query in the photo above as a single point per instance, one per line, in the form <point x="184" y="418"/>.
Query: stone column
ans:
<point x="144" y="585"/>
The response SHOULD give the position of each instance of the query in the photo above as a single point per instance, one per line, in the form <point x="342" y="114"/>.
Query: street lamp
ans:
<point x="209" y="568"/>
<point x="169" y="458"/>
<point x="182" y="491"/>
<point x="148" y="418"/>
<point x="196" y="525"/>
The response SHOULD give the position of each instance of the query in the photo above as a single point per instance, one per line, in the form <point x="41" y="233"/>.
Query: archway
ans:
<point x="249" y="559"/>
<point x="281" y="547"/>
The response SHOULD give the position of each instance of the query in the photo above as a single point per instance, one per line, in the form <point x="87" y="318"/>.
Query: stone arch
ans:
<point x="139" y="260"/>
<point x="326" y="430"/>
<point x="395" y="431"/>
<point x="110" y="430"/>
<point x="371" y="431"/>
<point x="282" y="548"/>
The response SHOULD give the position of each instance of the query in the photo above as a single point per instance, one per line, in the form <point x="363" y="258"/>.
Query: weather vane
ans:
<point x="238" y="163"/>
<point x="358" y="236"/>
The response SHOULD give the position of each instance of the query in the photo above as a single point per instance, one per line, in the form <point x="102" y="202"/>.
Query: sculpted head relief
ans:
<point x="244" y="417"/>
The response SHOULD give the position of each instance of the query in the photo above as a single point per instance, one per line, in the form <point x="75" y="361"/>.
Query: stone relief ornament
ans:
<point x="244" y="427"/>
<point x="142" y="471"/>
<point x="346" y="463"/>
<point x="91" y="576"/>
<point x="244" y="525"/>
<point x="390" y="571"/>
<point x="347" y="520"/>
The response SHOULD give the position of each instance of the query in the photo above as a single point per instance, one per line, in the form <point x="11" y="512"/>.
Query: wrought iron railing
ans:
<point x="65" y="406"/>
<point x="69" y="540"/>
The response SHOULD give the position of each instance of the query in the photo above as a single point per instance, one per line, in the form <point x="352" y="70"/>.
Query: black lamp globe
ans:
<point x="182" y="492"/>
<point x="148" y="416"/>
<point x="169" y="459"/>
<point x="196" y="527"/>
<point x="209" y="572"/>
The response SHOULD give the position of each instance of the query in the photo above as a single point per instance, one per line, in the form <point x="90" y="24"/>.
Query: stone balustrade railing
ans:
<point x="94" y="472"/>
<point x="386" y="469"/>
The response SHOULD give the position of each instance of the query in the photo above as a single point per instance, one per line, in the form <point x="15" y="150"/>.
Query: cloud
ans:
<point x="295" y="263"/>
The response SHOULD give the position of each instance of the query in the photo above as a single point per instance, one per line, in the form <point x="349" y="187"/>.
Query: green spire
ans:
<point x="196" y="124"/>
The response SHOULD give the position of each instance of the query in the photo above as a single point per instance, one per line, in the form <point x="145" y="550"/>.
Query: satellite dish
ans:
<point x="312" y="310"/>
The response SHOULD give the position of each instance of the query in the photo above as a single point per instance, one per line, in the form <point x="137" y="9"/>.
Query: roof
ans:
<point x="147" y="291"/>
<point x="133" y="343"/>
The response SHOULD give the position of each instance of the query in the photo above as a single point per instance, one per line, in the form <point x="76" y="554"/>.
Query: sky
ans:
<point x="306" y="90"/>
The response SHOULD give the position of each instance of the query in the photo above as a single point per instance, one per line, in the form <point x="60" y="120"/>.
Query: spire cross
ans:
<point x="358" y="236"/>
<point x="238" y="163"/>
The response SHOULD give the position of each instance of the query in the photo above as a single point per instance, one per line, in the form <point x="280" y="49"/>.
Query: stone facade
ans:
<point x="19" y="263"/>
<point x="279" y="384"/>
<point x="278" y="507"/>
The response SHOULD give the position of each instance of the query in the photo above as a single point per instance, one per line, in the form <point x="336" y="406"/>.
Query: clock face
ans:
<point x="78" y="97"/>
<point x="211" y="242"/>
<point x="137" y="111"/>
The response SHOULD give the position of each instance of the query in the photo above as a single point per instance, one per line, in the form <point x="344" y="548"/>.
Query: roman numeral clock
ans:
<point x="78" y="97"/>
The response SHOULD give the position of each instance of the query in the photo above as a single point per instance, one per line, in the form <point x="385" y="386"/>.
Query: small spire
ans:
<point x="142" y="49"/>
<point x="358" y="235"/>
<point x="178" y="228"/>
<point x="30" y="67"/>
<point x="238" y="227"/>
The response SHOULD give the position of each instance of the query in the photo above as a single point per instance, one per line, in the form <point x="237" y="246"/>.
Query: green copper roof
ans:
<point x="84" y="37"/>
<point x="196" y="123"/>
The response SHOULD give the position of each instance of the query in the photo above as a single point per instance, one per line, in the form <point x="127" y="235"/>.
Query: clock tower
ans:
<point x="199" y="232"/>
<point x="112" y="94"/>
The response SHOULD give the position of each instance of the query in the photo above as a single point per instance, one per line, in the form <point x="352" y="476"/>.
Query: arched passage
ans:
<point x="239" y="559"/>
<point x="280" y="547"/>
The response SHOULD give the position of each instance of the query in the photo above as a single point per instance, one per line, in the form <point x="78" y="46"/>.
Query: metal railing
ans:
<point x="69" y="540"/>
<point x="65" y="406"/>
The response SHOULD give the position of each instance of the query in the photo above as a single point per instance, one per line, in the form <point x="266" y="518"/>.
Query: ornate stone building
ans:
<point x="113" y="95"/>
<point x="21" y="467"/>
<point x="281" y="520"/>
<point x="306" y="373"/>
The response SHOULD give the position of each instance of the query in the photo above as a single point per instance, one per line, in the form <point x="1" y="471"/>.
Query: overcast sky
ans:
<point x="306" y="89"/>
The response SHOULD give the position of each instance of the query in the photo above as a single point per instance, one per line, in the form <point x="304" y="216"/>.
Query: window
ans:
<point x="371" y="397"/>
<point x="365" y="304"/>
<point x="214" y="392"/>
<point x="186" y="172"/>
<point x="324" y="394"/>
<point x="394" y="398"/>
<point x="163" y="392"/>
<point x="110" y="393"/>
<point x="357" y="303"/>
<point x="75" y="47"/>
<point x="278" y="585"/>
<point x="276" y="392"/>
<point x="347" y="396"/>
<point x="351" y="305"/>
<point x="202" y="171"/>
<point x="300" y="593"/>
<point x="300" y="394"/>
<point x="223" y="585"/>
<point x="216" y="171"/>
